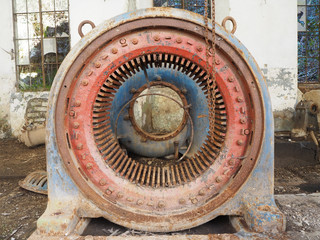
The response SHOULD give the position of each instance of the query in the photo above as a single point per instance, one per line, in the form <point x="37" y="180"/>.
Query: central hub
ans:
<point x="157" y="112"/>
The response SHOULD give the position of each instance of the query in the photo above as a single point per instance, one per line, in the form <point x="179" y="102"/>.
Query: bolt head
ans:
<point x="218" y="62"/>
<point x="89" y="166"/>
<point x="102" y="182"/>
<point x="243" y="120"/>
<point x="246" y="131"/>
<point x="184" y="91"/>
<point x="114" y="50"/>
<point x="77" y="103"/>
<point x="72" y="113"/>
<point x="109" y="191"/>
<point x="240" y="142"/>
<point x="134" y="41"/>
<point x="97" y="64"/>
<point x="219" y="179"/>
<point x="133" y="90"/>
<point x="120" y="195"/>
<point x="76" y="125"/>
<point x="85" y="82"/>
<point x="158" y="78"/>
<point x="182" y="201"/>
<point x="239" y="99"/>
<point x="231" y="79"/>
<point x="161" y="204"/>
<point x="202" y="192"/>
<point x="156" y="38"/>
<point x="139" y="202"/>
<point x="179" y="40"/>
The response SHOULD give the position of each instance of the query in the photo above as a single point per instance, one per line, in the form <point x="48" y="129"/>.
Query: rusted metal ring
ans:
<point x="153" y="136"/>
<point x="82" y="24"/>
<point x="162" y="95"/>
<point x="234" y="24"/>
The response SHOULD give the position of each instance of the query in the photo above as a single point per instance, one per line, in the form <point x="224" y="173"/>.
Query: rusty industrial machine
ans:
<point x="130" y="137"/>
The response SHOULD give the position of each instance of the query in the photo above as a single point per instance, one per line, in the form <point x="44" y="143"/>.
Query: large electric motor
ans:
<point x="129" y="136"/>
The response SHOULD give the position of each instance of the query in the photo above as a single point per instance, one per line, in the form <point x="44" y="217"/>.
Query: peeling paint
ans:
<point x="282" y="82"/>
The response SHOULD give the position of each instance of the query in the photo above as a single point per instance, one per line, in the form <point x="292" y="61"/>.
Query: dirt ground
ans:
<point x="297" y="185"/>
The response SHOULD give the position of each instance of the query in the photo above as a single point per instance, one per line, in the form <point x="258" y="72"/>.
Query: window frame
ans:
<point x="307" y="86"/>
<point x="45" y="86"/>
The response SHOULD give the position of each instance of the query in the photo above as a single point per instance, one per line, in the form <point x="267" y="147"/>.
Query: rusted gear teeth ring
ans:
<point x="176" y="173"/>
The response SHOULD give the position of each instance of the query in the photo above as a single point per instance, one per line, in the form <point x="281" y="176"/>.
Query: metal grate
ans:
<point x="42" y="40"/>
<point x="308" y="41"/>
<point x="196" y="6"/>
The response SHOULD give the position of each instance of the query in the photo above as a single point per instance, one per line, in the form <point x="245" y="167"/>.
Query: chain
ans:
<point x="211" y="77"/>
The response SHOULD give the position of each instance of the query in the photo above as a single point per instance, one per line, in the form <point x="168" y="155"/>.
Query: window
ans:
<point x="308" y="42"/>
<point x="42" y="40"/>
<point x="196" y="6"/>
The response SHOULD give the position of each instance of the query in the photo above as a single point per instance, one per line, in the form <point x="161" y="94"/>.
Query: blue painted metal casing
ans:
<point x="131" y="139"/>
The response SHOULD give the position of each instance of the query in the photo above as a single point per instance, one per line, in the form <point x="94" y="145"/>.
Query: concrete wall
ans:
<point x="267" y="28"/>
<point x="98" y="11"/>
<point x="7" y="67"/>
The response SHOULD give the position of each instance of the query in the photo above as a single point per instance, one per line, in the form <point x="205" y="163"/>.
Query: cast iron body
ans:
<point x="90" y="174"/>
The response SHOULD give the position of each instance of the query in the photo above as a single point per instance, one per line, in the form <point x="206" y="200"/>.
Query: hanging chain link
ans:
<point x="211" y="77"/>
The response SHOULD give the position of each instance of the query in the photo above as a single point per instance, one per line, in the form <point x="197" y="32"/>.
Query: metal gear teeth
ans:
<point x="139" y="172"/>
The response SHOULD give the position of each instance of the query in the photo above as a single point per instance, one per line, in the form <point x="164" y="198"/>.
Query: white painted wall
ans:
<point x="98" y="11"/>
<point x="7" y="65"/>
<point x="268" y="28"/>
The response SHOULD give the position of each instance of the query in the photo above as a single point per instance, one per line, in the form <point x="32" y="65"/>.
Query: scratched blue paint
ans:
<point x="195" y="96"/>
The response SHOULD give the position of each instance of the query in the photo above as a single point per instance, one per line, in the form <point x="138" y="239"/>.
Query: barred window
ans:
<point x="196" y="6"/>
<point x="308" y="41"/>
<point x="42" y="40"/>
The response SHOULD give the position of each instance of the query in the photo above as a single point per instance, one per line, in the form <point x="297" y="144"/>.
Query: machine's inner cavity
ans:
<point x="154" y="131"/>
<point x="155" y="114"/>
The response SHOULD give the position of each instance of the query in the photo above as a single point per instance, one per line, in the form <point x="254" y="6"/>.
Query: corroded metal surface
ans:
<point x="220" y="177"/>
<point x="182" y="188"/>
